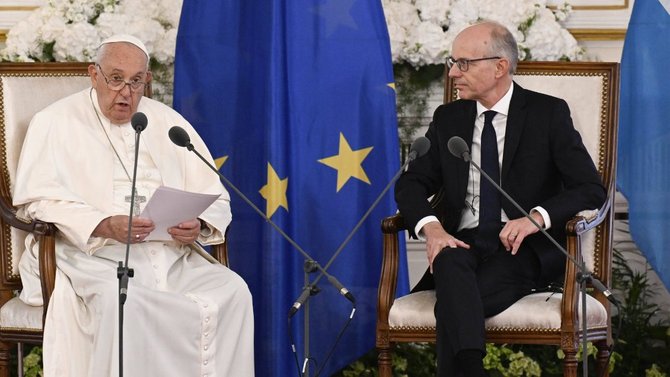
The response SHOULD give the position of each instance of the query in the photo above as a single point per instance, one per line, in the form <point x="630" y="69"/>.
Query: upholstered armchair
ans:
<point x="592" y="92"/>
<point x="26" y="88"/>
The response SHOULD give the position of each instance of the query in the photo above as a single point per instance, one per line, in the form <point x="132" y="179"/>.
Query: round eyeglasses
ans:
<point x="464" y="64"/>
<point x="116" y="82"/>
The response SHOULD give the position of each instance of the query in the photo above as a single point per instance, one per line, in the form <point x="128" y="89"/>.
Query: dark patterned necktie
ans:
<point x="489" y="197"/>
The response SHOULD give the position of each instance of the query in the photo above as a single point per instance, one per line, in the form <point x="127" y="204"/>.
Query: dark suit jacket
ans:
<point x="544" y="164"/>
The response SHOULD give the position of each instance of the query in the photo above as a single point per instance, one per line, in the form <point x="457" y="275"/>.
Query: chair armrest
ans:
<point x="37" y="227"/>
<point x="46" y="235"/>
<point x="589" y="219"/>
<point x="576" y="228"/>
<point x="388" y="280"/>
<point x="220" y="251"/>
<point x="47" y="265"/>
<point x="393" y="224"/>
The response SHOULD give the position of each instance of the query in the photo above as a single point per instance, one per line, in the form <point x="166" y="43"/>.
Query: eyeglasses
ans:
<point x="117" y="82"/>
<point x="464" y="64"/>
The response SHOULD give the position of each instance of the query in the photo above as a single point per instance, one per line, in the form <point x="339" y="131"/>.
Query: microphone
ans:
<point x="459" y="148"/>
<point x="180" y="138"/>
<point x="139" y="122"/>
<point x="419" y="147"/>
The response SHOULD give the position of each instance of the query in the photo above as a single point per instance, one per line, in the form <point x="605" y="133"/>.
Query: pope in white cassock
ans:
<point x="184" y="316"/>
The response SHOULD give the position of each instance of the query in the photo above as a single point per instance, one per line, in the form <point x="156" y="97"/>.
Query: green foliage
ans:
<point x="642" y="340"/>
<point x="409" y="360"/>
<point x="507" y="362"/>
<point x="654" y="371"/>
<point x="412" y="87"/>
<point x="32" y="363"/>
<point x="418" y="360"/>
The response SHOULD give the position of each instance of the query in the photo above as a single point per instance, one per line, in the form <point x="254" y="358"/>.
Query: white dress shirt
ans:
<point x="470" y="216"/>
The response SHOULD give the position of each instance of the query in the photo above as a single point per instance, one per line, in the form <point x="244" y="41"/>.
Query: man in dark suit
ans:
<point x="485" y="257"/>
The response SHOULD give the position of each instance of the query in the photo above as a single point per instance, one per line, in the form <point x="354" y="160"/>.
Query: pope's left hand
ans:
<point x="186" y="232"/>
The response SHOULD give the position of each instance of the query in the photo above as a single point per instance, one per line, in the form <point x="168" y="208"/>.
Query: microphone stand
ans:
<point x="418" y="148"/>
<point x="123" y="273"/>
<point x="411" y="157"/>
<point x="181" y="138"/>
<point x="583" y="276"/>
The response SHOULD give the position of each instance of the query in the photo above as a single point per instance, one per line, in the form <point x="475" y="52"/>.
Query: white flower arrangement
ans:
<point x="422" y="31"/>
<point x="67" y="30"/>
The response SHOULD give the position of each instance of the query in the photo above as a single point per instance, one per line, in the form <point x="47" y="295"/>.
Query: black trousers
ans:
<point x="471" y="285"/>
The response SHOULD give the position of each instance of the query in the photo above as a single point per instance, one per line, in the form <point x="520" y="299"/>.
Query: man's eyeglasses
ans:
<point x="464" y="64"/>
<point x="117" y="82"/>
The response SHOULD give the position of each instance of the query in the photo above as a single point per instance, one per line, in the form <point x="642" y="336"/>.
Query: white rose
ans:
<point x="427" y="44"/>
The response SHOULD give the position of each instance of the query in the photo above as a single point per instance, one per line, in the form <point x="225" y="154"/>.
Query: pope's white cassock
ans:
<point x="184" y="316"/>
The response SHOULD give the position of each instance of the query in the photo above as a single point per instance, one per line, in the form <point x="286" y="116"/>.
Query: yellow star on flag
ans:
<point x="274" y="192"/>
<point x="348" y="163"/>
<point x="220" y="161"/>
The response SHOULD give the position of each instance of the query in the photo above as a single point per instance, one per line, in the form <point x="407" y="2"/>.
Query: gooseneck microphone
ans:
<point x="459" y="148"/>
<point x="139" y="122"/>
<point x="180" y="138"/>
<point x="418" y="148"/>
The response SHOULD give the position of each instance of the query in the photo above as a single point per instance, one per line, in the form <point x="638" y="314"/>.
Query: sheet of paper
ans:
<point x="168" y="207"/>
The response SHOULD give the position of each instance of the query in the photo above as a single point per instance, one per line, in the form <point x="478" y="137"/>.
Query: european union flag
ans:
<point x="644" y="135"/>
<point x="296" y="99"/>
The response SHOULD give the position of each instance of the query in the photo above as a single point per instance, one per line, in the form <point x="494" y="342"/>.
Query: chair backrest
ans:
<point x="591" y="90"/>
<point x="25" y="88"/>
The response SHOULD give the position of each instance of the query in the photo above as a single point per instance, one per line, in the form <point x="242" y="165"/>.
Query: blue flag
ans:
<point x="644" y="134"/>
<point x="295" y="99"/>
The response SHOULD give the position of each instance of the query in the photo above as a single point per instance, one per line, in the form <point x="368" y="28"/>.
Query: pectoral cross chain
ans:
<point x="136" y="205"/>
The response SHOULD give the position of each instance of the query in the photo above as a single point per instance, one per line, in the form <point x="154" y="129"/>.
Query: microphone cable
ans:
<point x="337" y="340"/>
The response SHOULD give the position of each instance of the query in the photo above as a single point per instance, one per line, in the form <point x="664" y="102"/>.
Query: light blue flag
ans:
<point x="644" y="135"/>
<point x="295" y="99"/>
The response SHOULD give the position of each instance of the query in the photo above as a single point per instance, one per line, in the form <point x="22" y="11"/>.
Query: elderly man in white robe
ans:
<point x="184" y="315"/>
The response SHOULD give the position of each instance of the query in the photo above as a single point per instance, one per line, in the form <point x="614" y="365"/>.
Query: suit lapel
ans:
<point x="516" y="121"/>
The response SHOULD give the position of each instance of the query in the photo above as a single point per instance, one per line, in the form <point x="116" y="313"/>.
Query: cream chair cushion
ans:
<point x="541" y="311"/>
<point x="16" y="314"/>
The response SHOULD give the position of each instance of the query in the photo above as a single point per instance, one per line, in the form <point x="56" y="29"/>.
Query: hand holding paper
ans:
<point x="169" y="207"/>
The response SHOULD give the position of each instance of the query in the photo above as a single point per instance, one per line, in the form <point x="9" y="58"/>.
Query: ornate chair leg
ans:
<point x="384" y="360"/>
<point x="570" y="363"/>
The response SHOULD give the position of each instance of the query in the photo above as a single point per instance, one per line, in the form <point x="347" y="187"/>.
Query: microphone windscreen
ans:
<point x="179" y="136"/>
<point x="420" y="146"/>
<point x="458" y="147"/>
<point x="139" y="121"/>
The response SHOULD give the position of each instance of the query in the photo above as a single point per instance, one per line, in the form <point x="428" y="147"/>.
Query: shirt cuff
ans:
<point x="205" y="229"/>
<point x="420" y="225"/>
<point x="545" y="216"/>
